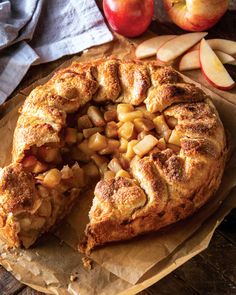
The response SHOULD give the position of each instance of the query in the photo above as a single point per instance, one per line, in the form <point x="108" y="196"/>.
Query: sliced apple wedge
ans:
<point x="190" y="61"/>
<point x="195" y="47"/>
<point x="213" y="69"/>
<point x="178" y="45"/>
<point x="150" y="46"/>
<point x="232" y="63"/>
<point x="225" y="58"/>
<point x="227" y="46"/>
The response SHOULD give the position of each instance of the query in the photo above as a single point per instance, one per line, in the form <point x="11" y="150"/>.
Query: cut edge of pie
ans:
<point x="157" y="142"/>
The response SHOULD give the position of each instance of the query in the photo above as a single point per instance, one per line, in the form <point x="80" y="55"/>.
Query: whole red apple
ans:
<point x="195" y="15"/>
<point x="129" y="18"/>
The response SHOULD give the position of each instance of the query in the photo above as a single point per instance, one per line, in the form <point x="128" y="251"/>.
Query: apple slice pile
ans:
<point x="196" y="52"/>
<point x="178" y="45"/>
<point x="150" y="46"/>
<point x="191" y="61"/>
<point x="213" y="68"/>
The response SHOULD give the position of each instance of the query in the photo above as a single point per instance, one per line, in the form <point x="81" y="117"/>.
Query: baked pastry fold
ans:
<point x="157" y="143"/>
<point x="175" y="185"/>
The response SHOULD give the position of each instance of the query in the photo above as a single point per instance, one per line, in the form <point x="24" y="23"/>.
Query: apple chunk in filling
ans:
<point x="101" y="141"/>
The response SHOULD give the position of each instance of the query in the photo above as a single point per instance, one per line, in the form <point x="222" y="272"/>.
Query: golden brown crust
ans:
<point x="175" y="185"/>
<point x="131" y="82"/>
<point x="17" y="189"/>
<point x="168" y="94"/>
<point x="22" y="200"/>
<point x="163" y="191"/>
<point x="106" y="74"/>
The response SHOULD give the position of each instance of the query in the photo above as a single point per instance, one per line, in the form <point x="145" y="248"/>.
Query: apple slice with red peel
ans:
<point x="213" y="69"/>
<point x="150" y="46"/>
<point x="190" y="61"/>
<point x="178" y="45"/>
<point x="226" y="46"/>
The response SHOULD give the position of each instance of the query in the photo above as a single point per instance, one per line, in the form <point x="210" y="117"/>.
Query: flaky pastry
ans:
<point x="154" y="145"/>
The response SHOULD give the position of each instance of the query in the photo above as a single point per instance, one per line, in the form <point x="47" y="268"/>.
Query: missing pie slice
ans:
<point x="154" y="145"/>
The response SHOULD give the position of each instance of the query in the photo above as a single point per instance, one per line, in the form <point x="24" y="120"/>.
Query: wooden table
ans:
<point x="213" y="272"/>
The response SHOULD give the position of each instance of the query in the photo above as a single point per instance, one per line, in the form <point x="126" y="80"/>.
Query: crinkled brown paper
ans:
<point x="127" y="267"/>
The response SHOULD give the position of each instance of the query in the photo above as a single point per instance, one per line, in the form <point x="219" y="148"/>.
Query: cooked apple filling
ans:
<point x="98" y="142"/>
<point x="101" y="141"/>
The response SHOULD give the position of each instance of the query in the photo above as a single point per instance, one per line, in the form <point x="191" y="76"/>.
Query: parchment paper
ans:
<point x="126" y="267"/>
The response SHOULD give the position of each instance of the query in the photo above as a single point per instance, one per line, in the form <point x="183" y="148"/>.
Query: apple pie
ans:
<point x="153" y="144"/>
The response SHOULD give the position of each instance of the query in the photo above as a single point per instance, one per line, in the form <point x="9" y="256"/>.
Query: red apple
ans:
<point x="195" y="15"/>
<point x="129" y="18"/>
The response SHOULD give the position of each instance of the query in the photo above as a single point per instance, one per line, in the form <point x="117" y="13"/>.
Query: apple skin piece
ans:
<point x="149" y="47"/>
<point x="195" y="15"/>
<point x="190" y="61"/>
<point x="213" y="69"/>
<point x="178" y="45"/>
<point x="226" y="46"/>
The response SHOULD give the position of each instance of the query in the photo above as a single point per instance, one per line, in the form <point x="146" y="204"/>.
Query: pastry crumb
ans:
<point x="87" y="263"/>
<point x="74" y="277"/>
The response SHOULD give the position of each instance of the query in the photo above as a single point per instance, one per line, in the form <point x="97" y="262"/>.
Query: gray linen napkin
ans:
<point x="39" y="31"/>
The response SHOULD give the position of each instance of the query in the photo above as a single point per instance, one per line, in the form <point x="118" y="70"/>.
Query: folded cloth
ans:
<point x="39" y="31"/>
<point x="18" y="19"/>
<point x="14" y="63"/>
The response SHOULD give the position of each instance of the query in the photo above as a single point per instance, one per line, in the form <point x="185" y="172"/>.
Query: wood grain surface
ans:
<point x="213" y="272"/>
